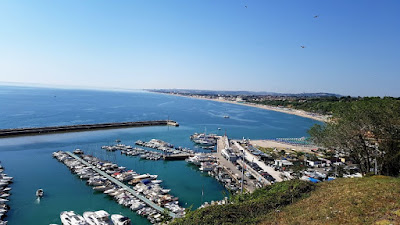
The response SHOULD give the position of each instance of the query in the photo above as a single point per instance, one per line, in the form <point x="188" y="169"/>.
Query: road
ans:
<point x="251" y="158"/>
<point x="221" y="144"/>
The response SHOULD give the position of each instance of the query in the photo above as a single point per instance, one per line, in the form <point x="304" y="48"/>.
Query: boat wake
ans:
<point x="37" y="201"/>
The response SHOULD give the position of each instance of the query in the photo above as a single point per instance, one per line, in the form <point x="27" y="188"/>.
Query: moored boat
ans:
<point x="100" y="217"/>
<point x="71" y="218"/>
<point x="120" y="220"/>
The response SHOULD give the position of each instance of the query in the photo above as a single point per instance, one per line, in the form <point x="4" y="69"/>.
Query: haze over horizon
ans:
<point x="350" y="47"/>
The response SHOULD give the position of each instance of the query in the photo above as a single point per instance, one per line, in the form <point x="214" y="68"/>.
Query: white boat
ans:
<point x="39" y="193"/>
<point x="207" y="166"/>
<point x="4" y="195"/>
<point x="100" y="217"/>
<point x="120" y="220"/>
<point x="2" y="200"/>
<point x="78" y="151"/>
<point x="6" y="189"/>
<point x="137" y="205"/>
<point x="71" y="218"/>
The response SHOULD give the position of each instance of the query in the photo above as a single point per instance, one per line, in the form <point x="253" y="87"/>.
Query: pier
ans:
<point x="119" y="183"/>
<point x="82" y="127"/>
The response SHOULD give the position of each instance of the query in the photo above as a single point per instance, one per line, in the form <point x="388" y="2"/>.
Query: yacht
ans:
<point x="78" y="151"/>
<point x="71" y="218"/>
<point x="136" y="205"/>
<point x="100" y="217"/>
<point x="39" y="193"/>
<point x="120" y="220"/>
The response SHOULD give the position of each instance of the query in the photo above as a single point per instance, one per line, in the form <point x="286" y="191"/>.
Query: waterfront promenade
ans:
<point x="82" y="127"/>
<point x="119" y="183"/>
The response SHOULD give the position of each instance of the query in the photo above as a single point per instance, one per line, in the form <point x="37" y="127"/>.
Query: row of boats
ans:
<point x="5" y="181"/>
<point x="163" y="146"/>
<point x="100" y="217"/>
<point x="134" y="151"/>
<point x="205" y="141"/>
<point x="208" y="163"/>
<point x="145" y="185"/>
<point x="205" y="161"/>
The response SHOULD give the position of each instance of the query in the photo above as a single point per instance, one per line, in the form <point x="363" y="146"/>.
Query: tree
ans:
<point x="365" y="130"/>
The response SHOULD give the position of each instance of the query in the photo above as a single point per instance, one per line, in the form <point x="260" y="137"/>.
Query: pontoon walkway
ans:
<point x="117" y="182"/>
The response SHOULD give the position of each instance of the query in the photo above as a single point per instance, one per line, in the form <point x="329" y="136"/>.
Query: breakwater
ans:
<point x="82" y="127"/>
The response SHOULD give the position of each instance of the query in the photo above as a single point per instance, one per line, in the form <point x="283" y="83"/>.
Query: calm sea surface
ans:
<point x="29" y="160"/>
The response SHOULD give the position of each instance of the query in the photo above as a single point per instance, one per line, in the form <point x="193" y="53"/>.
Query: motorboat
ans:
<point x="100" y="217"/>
<point x="120" y="220"/>
<point x="71" y="218"/>
<point x="4" y="195"/>
<point x="39" y="193"/>
<point x="137" y="205"/>
<point x="102" y="188"/>
<point x="78" y="151"/>
<point x="6" y="189"/>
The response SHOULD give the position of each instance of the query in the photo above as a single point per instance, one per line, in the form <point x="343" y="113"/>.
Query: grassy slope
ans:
<point x="249" y="208"/>
<point x="370" y="200"/>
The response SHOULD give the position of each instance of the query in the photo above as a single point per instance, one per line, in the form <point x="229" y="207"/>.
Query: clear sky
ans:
<point x="351" y="48"/>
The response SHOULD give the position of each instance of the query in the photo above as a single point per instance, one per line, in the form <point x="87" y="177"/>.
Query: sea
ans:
<point x="29" y="158"/>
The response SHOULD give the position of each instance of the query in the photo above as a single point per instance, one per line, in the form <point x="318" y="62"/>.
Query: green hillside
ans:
<point x="369" y="200"/>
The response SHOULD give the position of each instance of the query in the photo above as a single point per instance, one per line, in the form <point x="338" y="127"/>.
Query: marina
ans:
<point x="90" y="168"/>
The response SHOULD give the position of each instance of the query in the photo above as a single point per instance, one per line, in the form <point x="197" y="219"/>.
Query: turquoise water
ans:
<point x="29" y="161"/>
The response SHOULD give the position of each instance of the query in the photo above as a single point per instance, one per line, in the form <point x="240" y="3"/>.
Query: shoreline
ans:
<point x="295" y="112"/>
<point x="265" y="143"/>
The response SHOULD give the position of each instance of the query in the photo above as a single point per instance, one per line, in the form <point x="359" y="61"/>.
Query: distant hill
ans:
<point x="368" y="200"/>
<point x="235" y="93"/>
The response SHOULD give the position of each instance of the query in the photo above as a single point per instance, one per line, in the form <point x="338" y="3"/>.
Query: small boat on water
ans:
<point x="39" y="193"/>
<point x="226" y="117"/>
<point x="71" y="218"/>
<point x="120" y="220"/>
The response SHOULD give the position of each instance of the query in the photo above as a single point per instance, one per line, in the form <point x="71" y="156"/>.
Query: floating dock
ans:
<point x="83" y="127"/>
<point x="119" y="183"/>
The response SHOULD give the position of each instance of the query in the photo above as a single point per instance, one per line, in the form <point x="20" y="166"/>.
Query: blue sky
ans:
<point x="352" y="48"/>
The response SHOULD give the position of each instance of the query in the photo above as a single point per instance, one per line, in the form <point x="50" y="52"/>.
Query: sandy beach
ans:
<point x="280" y="145"/>
<point x="296" y="112"/>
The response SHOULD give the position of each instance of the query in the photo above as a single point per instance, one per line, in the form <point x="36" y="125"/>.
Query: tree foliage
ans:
<point x="365" y="130"/>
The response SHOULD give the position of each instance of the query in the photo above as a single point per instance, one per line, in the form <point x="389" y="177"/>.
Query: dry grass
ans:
<point x="369" y="200"/>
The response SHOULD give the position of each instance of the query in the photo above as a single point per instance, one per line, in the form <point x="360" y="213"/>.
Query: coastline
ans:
<point x="295" y="112"/>
<point x="281" y="145"/>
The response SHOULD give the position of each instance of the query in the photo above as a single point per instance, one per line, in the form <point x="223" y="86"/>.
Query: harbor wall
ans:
<point x="82" y="127"/>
